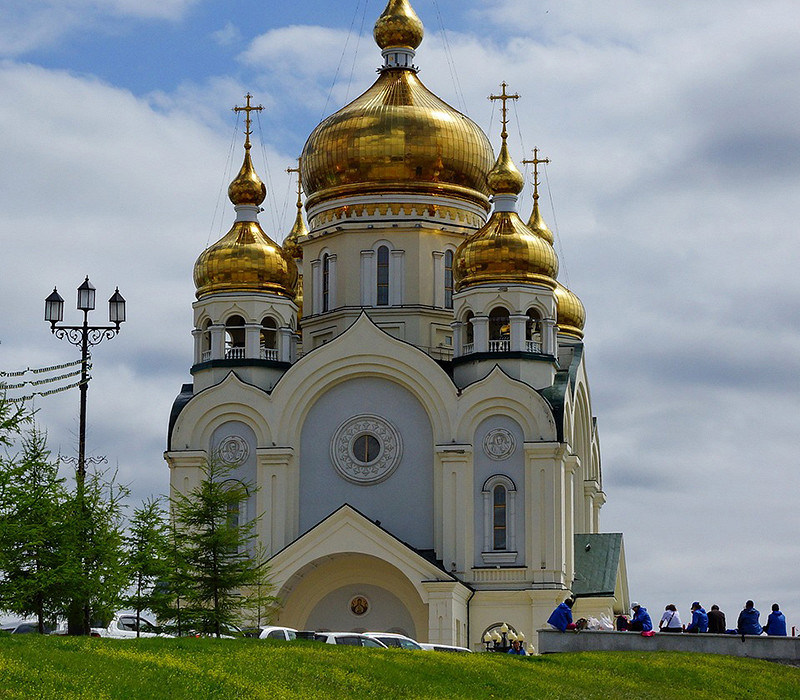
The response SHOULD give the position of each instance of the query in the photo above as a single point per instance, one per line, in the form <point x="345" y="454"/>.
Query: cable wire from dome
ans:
<point x="451" y="64"/>
<point x="223" y="189"/>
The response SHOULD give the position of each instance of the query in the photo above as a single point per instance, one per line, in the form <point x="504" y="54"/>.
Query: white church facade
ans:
<point x="402" y="382"/>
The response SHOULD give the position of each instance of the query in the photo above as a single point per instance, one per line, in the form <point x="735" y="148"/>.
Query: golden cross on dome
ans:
<point x="299" y="183"/>
<point x="504" y="96"/>
<point x="536" y="160"/>
<point x="247" y="109"/>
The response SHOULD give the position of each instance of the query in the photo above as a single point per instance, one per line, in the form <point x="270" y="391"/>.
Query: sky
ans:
<point x="674" y="140"/>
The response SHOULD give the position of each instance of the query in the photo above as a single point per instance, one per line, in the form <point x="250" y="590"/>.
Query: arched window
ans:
<point x="326" y="281"/>
<point x="469" y="333"/>
<point x="205" y="342"/>
<point x="269" y="339"/>
<point x="499" y="518"/>
<point x="499" y="330"/>
<point x="448" y="279"/>
<point x="383" y="276"/>
<point x="533" y="332"/>
<point x="234" y="338"/>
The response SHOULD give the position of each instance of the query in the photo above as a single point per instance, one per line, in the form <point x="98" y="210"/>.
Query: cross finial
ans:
<point x="247" y="109"/>
<point x="504" y="96"/>
<point x="299" y="182"/>
<point x="535" y="161"/>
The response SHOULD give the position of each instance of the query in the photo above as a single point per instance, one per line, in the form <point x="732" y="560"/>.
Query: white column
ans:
<point x="198" y="334"/>
<point x="453" y="506"/>
<point x="252" y="340"/>
<point x="480" y="333"/>
<point x="368" y="281"/>
<point x="571" y="469"/>
<point x="517" y="322"/>
<point x="315" y="298"/>
<point x="217" y="331"/>
<point x="458" y="329"/>
<point x="286" y="343"/>
<point x="332" y="283"/>
<point x="396" y="277"/>
<point x="277" y="497"/>
<point x="438" y="279"/>
<point x="548" y="336"/>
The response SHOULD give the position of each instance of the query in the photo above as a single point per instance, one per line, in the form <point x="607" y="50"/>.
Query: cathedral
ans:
<point x="401" y="384"/>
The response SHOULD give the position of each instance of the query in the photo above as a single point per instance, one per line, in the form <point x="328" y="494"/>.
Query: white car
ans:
<point x="351" y="639"/>
<point x="444" y="647"/>
<point x="271" y="632"/>
<point x="123" y="626"/>
<point x="391" y="639"/>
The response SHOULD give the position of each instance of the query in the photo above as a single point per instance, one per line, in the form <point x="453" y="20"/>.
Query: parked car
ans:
<point x="123" y="626"/>
<point x="352" y="639"/>
<point x="271" y="632"/>
<point x="391" y="639"/>
<point x="25" y="627"/>
<point x="443" y="647"/>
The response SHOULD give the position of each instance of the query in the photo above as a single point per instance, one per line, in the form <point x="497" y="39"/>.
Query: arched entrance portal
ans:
<point x="353" y="592"/>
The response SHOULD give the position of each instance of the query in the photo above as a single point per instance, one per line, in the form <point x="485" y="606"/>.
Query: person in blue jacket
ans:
<point x="748" y="620"/>
<point x="776" y="622"/>
<point x="699" y="619"/>
<point x="640" y="622"/>
<point x="517" y="648"/>
<point x="561" y="617"/>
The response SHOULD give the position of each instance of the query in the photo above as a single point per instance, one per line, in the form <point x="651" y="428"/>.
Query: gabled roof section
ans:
<point x="347" y="530"/>
<point x="598" y="558"/>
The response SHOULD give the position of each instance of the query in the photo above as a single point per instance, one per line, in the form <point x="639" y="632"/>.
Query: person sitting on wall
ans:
<point x="716" y="620"/>
<point x="699" y="619"/>
<point x="640" y="622"/>
<point x="776" y="622"/>
<point x="517" y="648"/>
<point x="748" y="620"/>
<point x="670" y="620"/>
<point x="561" y="617"/>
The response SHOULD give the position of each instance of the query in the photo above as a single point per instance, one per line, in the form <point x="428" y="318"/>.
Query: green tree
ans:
<point x="147" y="545"/>
<point x="32" y="531"/>
<point x="223" y="573"/>
<point x="94" y="553"/>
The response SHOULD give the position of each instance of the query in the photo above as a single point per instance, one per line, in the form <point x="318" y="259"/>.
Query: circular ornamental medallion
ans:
<point x="233" y="450"/>
<point x="366" y="449"/>
<point x="499" y="444"/>
<point x="359" y="605"/>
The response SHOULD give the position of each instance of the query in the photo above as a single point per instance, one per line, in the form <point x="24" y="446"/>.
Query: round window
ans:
<point x="366" y="448"/>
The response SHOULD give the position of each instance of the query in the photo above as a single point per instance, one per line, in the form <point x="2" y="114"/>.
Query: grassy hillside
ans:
<point x="64" y="668"/>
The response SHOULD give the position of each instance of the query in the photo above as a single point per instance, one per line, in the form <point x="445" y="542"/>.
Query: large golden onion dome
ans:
<point x="505" y="249"/>
<point x="397" y="137"/>
<point x="570" y="312"/>
<point x="245" y="259"/>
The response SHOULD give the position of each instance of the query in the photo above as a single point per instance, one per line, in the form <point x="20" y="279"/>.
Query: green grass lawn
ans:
<point x="61" y="667"/>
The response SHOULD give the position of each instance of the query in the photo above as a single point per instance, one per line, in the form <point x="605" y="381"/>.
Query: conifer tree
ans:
<point x="147" y="547"/>
<point x="224" y="575"/>
<point x="32" y="532"/>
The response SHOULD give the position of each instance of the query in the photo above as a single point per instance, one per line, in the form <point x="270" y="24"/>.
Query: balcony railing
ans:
<point x="499" y="345"/>
<point x="205" y="356"/>
<point x="533" y="346"/>
<point x="468" y="348"/>
<point x="269" y="354"/>
<point x="234" y="353"/>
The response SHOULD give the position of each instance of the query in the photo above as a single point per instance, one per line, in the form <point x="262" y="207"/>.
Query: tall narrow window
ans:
<point x="234" y="338"/>
<point x="383" y="276"/>
<point x="499" y="524"/>
<point x="326" y="281"/>
<point x="448" y="279"/>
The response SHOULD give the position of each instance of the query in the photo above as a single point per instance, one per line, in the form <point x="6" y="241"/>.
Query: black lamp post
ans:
<point x="83" y="337"/>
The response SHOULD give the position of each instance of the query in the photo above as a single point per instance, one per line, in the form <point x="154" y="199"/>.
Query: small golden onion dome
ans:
<point x="398" y="26"/>
<point x="290" y="245"/>
<point x="247" y="187"/>
<point x="245" y="259"/>
<point x="570" y="312"/>
<point x="538" y="226"/>
<point x="504" y="250"/>
<point x="504" y="177"/>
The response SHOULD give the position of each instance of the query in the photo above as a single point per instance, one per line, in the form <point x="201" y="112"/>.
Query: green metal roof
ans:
<point x="597" y="561"/>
